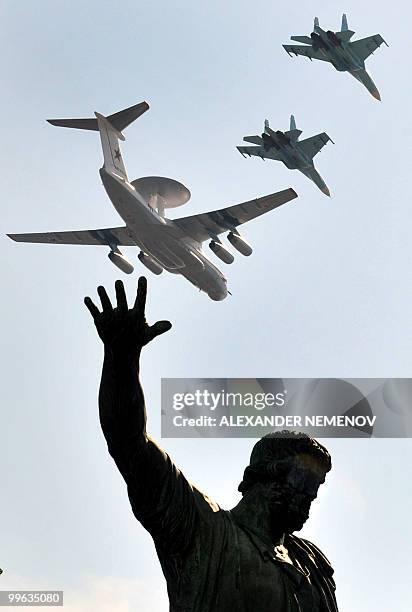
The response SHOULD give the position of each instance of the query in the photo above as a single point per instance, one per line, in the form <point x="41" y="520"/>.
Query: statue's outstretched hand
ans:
<point x="124" y="331"/>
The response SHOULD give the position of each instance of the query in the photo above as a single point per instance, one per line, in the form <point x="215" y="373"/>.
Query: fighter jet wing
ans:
<point x="311" y="146"/>
<point x="366" y="46"/>
<point x="109" y="236"/>
<point x="259" y="152"/>
<point x="306" y="51"/>
<point x="206" y="225"/>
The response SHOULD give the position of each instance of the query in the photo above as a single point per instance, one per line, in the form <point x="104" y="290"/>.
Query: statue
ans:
<point x="214" y="560"/>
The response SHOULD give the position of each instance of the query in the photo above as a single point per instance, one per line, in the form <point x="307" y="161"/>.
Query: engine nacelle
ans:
<point x="150" y="263"/>
<point x="220" y="251"/>
<point x="333" y="38"/>
<point x="121" y="262"/>
<point x="318" y="42"/>
<point x="240" y="244"/>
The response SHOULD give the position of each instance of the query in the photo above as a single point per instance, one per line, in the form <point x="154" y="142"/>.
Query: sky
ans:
<point x="326" y="293"/>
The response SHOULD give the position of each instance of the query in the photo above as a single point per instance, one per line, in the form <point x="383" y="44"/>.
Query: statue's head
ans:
<point x="287" y="468"/>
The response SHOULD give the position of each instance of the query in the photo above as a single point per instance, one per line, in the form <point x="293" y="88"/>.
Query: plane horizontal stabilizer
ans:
<point x="302" y="39"/>
<point x="253" y="139"/>
<point x="118" y="120"/>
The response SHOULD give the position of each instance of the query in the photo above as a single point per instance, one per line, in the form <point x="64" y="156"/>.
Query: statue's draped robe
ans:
<point x="211" y="561"/>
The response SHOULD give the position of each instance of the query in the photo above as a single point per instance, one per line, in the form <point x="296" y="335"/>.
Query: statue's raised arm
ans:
<point x="160" y="496"/>
<point x="124" y="331"/>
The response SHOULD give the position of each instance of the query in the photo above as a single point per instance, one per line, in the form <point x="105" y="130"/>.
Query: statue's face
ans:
<point x="295" y="486"/>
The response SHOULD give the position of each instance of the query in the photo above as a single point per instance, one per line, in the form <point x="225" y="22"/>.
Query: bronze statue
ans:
<point x="214" y="560"/>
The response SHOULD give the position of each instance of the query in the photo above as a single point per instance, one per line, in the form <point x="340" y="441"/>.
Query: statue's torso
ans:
<point x="211" y="561"/>
<point x="227" y="568"/>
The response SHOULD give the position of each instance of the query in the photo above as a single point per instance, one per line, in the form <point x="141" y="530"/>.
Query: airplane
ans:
<point x="286" y="147"/>
<point x="165" y="244"/>
<point x="336" y="48"/>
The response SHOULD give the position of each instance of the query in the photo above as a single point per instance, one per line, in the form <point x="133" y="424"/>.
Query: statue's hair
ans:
<point x="275" y="447"/>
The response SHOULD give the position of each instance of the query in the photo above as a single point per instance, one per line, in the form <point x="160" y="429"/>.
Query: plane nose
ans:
<point x="217" y="296"/>
<point x="219" y="292"/>
<point x="325" y="190"/>
<point x="376" y="94"/>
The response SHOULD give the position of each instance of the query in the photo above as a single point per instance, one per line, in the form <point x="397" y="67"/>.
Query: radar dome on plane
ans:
<point x="161" y="192"/>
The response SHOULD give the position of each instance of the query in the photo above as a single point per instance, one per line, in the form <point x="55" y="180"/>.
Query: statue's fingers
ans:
<point x="158" y="328"/>
<point x="120" y="295"/>
<point x="140" y="302"/>
<point x="92" y="308"/>
<point x="104" y="298"/>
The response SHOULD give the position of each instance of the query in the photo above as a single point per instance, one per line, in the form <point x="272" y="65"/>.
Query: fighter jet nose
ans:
<point x="326" y="191"/>
<point x="376" y="94"/>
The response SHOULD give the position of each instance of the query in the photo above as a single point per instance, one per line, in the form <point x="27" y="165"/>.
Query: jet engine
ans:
<point x="282" y="137"/>
<point x="317" y="43"/>
<point x="240" y="244"/>
<point x="220" y="251"/>
<point x="333" y="38"/>
<point x="150" y="263"/>
<point x="268" y="142"/>
<point x="121" y="262"/>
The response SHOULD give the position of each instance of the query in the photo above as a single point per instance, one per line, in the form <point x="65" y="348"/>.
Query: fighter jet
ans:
<point x="286" y="147"/>
<point x="336" y="48"/>
<point x="165" y="244"/>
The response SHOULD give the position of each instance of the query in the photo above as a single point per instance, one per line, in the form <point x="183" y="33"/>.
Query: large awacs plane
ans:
<point x="165" y="244"/>
<point x="286" y="147"/>
<point x="336" y="48"/>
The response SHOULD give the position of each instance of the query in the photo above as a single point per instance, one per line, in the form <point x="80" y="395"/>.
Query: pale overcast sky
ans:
<point x="327" y="291"/>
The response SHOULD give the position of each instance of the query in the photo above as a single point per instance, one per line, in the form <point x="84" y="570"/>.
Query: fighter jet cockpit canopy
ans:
<point x="162" y="193"/>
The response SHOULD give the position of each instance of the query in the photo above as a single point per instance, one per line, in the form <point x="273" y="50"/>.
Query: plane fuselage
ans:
<point x="290" y="154"/>
<point x="162" y="239"/>
<point x="338" y="52"/>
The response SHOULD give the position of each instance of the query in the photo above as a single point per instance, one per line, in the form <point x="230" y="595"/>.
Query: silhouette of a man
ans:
<point x="245" y="559"/>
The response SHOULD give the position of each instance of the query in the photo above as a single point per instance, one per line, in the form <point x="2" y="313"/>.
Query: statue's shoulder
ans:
<point x="301" y="546"/>
<point x="204" y="503"/>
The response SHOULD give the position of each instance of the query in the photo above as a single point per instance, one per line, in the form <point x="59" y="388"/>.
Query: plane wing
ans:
<point x="311" y="146"/>
<point x="306" y="51"/>
<point x="206" y="225"/>
<point x="259" y="152"/>
<point x="118" y="236"/>
<point x="366" y="46"/>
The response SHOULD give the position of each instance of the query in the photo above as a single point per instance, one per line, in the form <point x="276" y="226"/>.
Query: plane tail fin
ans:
<point x="316" y="23"/>
<point x="266" y="124"/>
<point x="293" y="132"/>
<point x="345" y="34"/>
<point x="110" y="129"/>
